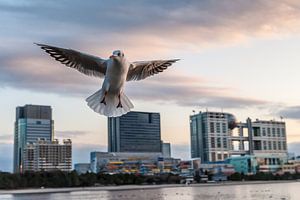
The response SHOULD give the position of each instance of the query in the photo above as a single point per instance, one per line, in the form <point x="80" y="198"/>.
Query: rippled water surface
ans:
<point x="280" y="191"/>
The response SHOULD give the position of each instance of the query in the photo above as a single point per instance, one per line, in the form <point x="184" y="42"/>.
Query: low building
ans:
<point x="82" y="168"/>
<point x="166" y="149"/>
<point x="243" y="164"/>
<point x="48" y="156"/>
<point x="124" y="162"/>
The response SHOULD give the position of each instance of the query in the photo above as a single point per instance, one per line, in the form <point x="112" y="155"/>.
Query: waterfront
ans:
<point x="280" y="191"/>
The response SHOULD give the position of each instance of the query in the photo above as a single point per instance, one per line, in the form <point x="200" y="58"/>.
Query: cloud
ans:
<point x="141" y="28"/>
<point x="70" y="134"/>
<point x="292" y="112"/>
<point x="188" y="91"/>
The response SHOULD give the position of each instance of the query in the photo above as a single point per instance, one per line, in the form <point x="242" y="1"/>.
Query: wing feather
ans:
<point x="84" y="63"/>
<point x="142" y="69"/>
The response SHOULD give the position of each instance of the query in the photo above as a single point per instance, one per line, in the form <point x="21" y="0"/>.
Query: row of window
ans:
<point x="215" y="127"/>
<point x="218" y="156"/>
<point x="217" y="142"/>
<point x="269" y="132"/>
<point x="273" y="145"/>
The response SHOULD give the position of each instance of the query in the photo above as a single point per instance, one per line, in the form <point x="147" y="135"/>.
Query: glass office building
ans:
<point x="32" y="123"/>
<point x="134" y="132"/>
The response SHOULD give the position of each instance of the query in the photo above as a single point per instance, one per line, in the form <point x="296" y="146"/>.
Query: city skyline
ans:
<point x="237" y="57"/>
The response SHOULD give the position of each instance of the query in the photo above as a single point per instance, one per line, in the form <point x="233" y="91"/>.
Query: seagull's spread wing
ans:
<point x="87" y="64"/>
<point x="143" y="69"/>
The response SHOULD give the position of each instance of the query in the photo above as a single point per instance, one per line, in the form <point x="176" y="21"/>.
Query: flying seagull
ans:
<point x="110" y="100"/>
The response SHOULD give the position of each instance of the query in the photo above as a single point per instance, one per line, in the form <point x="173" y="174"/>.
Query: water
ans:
<point x="280" y="191"/>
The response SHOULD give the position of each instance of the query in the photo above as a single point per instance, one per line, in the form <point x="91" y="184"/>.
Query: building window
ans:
<point x="218" y="127"/>
<point x="279" y="145"/>
<point x="274" y="145"/>
<point x="269" y="132"/>
<point x="212" y="142"/>
<point x="212" y="127"/>
<point x="219" y="156"/>
<point x="265" y="145"/>
<point x="283" y="132"/>
<point x="263" y="131"/>
<point x="270" y="145"/>
<point x="273" y="132"/>
<point x="225" y="143"/>
<point x="256" y="131"/>
<point x="284" y="145"/>
<point x="224" y="127"/>
<point x="219" y="145"/>
<point x="278" y="132"/>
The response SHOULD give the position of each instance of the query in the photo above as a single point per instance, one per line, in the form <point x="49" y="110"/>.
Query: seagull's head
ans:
<point x="117" y="54"/>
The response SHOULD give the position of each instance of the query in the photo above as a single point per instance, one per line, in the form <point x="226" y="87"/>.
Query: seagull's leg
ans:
<point x="120" y="104"/>
<point x="103" y="100"/>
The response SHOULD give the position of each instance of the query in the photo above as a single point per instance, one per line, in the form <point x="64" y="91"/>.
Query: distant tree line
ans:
<point x="260" y="176"/>
<point x="58" y="179"/>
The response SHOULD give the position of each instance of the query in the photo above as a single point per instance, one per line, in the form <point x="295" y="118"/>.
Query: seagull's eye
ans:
<point x="119" y="54"/>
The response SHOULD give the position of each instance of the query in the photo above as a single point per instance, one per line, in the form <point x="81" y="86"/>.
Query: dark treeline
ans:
<point x="61" y="179"/>
<point x="263" y="177"/>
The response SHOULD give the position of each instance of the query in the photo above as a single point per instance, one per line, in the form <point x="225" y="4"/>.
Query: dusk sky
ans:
<point x="237" y="56"/>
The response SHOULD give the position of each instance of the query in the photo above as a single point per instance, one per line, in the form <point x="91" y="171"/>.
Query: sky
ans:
<point x="236" y="56"/>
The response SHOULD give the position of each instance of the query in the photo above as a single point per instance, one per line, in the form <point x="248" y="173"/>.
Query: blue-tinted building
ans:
<point x="32" y="122"/>
<point x="246" y="164"/>
<point x="134" y="132"/>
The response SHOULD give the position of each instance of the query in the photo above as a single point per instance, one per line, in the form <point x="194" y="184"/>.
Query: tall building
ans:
<point x="216" y="136"/>
<point x="45" y="155"/>
<point x="209" y="135"/>
<point x="32" y="122"/>
<point x="134" y="132"/>
<point x="166" y="149"/>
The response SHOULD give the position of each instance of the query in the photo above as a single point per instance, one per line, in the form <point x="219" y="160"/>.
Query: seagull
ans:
<point x="110" y="100"/>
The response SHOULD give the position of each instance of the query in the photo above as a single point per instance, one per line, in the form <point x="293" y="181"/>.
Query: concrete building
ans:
<point x="267" y="142"/>
<point x="210" y="133"/>
<point x="216" y="136"/>
<point x="134" y="132"/>
<point x="44" y="155"/>
<point x="82" y="168"/>
<point x="166" y="149"/>
<point x="32" y="122"/>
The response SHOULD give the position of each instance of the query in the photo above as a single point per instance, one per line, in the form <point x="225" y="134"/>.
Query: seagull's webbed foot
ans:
<point x="103" y="100"/>
<point x="119" y="104"/>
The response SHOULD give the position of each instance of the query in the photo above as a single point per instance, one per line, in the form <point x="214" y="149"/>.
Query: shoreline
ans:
<point x="134" y="187"/>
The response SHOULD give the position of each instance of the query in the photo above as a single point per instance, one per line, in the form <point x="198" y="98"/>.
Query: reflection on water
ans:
<point x="280" y="191"/>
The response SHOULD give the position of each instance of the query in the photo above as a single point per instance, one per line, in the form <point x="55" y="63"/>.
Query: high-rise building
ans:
<point x="166" y="149"/>
<point x="45" y="155"/>
<point x="32" y="122"/>
<point x="216" y="136"/>
<point x="134" y="132"/>
<point x="210" y="134"/>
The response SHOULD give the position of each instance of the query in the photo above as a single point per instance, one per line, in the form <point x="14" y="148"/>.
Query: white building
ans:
<point x="216" y="136"/>
<point x="44" y="155"/>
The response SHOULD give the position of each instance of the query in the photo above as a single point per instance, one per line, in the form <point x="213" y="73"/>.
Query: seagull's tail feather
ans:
<point x="110" y="109"/>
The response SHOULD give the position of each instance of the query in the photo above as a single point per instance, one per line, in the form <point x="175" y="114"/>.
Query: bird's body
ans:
<point x="110" y="100"/>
